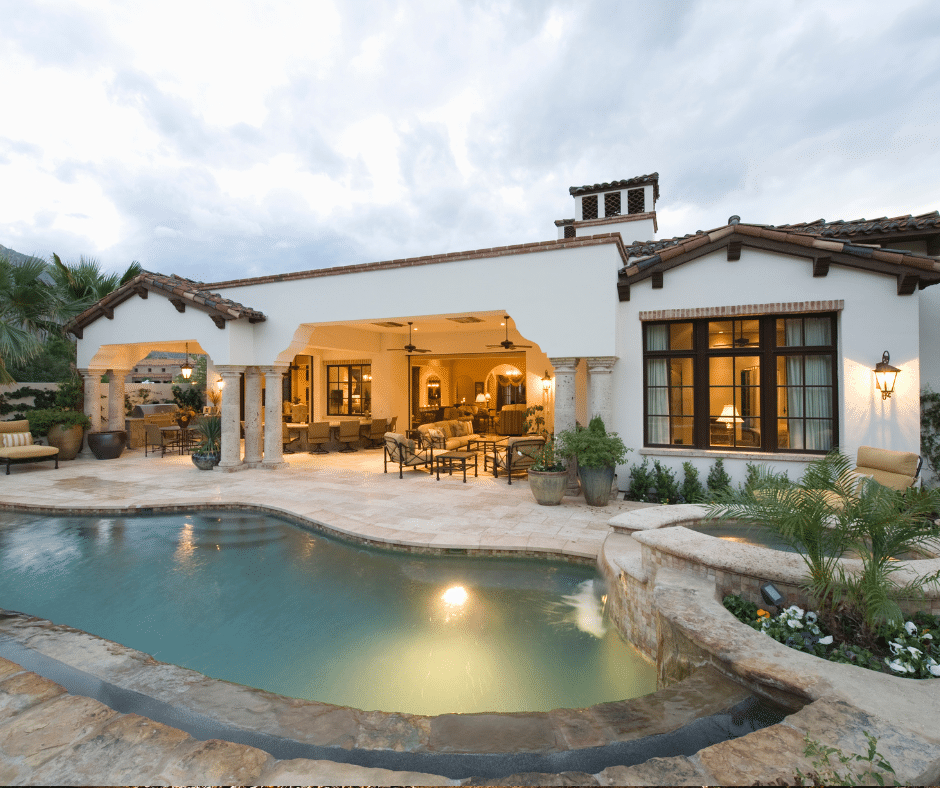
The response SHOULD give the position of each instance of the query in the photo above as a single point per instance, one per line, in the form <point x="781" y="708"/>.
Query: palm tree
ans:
<point x="83" y="283"/>
<point x="29" y="311"/>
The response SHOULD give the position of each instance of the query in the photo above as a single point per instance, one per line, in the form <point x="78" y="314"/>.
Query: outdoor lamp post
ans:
<point x="885" y="376"/>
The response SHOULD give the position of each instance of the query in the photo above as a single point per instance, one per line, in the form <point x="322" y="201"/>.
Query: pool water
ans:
<point x="255" y="600"/>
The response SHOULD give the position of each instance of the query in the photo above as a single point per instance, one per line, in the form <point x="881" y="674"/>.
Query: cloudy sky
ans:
<point x="218" y="140"/>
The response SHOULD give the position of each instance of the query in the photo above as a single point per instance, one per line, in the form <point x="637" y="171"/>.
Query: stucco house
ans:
<point x="749" y="342"/>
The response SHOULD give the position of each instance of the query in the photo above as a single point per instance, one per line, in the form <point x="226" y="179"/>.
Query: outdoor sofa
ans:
<point x="16" y="445"/>
<point x="451" y="435"/>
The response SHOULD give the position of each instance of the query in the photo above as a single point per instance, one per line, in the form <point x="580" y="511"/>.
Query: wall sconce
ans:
<point x="220" y="384"/>
<point x="885" y="376"/>
<point x="547" y="382"/>
<point x="187" y="369"/>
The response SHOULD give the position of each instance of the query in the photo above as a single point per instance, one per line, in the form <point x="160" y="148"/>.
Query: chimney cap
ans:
<point x="734" y="219"/>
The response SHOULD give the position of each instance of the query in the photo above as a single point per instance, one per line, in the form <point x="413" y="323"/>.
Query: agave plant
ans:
<point x="832" y="513"/>
<point x="209" y="430"/>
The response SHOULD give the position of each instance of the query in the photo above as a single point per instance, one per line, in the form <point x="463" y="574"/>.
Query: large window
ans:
<point x="349" y="389"/>
<point x="757" y="384"/>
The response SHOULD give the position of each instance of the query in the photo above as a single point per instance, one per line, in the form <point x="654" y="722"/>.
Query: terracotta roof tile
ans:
<point x="639" y="180"/>
<point x="857" y="227"/>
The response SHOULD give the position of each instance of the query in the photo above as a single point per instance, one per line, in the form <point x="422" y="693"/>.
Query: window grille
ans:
<point x="612" y="204"/>
<point x="636" y="201"/>
<point x="589" y="207"/>
<point x="569" y="231"/>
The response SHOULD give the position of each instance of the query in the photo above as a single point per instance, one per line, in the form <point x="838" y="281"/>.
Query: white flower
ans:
<point x="915" y="652"/>
<point x="794" y="624"/>
<point x="910" y="627"/>
<point x="934" y="669"/>
<point x="793" y="610"/>
<point x="895" y="647"/>
<point x="826" y="640"/>
<point x="899" y="667"/>
<point x="926" y="636"/>
<point x="811" y="618"/>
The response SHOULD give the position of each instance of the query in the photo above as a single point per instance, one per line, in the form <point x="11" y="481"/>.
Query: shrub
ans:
<point x="667" y="486"/>
<point x="692" y="489"/>
<point x="594" y="447"/>
<point x="641" y="479"/>
<point x="187" y="398"/>
<point x="718" y="480"/>
<point x="42" y="420"/>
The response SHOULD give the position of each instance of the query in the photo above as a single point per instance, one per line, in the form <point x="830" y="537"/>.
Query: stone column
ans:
<point x="231" y="426"/>
<point x="116" y="398"/>
<point x="252" y="417"/>
<point x="273" y="423"/>
<point x="602" y="388"/>
<point x="564" y="410"/>
<point x="92" y="381"/>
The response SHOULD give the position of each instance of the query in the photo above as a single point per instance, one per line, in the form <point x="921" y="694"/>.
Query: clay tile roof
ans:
<point x="868" y="227"/>
<point x="639" y="180"/>
<point x="174" y="287"/>
<point x="643" y="255"/>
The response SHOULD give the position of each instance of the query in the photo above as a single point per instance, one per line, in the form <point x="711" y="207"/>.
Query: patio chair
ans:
<point x="515" y="456"/>
<point x="374" y="433"/>
<point x="393" y="424"/>
<point x="403" y="450"/>
<point x="348" y="434"/>
<point x="318" y="433"/>
<point x="153" y="439"/>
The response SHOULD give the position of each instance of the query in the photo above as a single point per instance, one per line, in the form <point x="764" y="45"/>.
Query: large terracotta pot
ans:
<point x="548" y="487"/>
<point x="68" y="440"/>
<point x="596" y="484"/>
<point x="107" y="445"/>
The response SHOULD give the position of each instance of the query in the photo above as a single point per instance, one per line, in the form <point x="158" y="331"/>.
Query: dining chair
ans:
<point x="348" y="434"/>
<point x="318" y="433"/>
<point x="375" y="432"/>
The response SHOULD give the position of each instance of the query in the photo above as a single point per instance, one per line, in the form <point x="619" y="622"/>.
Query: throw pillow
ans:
<point x="11" y="439"/>
<point x="435" y="435"/>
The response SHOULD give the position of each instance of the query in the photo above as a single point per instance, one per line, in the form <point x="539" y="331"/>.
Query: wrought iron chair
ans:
<point x="402" y="450"/>
<point x="515" y="456"/>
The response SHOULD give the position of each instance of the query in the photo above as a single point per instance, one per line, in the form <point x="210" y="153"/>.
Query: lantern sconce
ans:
<point x="220" y="384"/>
<point x="186" y="369"/>
<point x="547" y="383"/>
<point x="885" y="376"/>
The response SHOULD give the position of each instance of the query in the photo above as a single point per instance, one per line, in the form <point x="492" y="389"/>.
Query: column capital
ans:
<point x="229" y="369"/>
<point x="565" y="364"/>
<point x="600" y="364"/>
<point x="274" y="369"/>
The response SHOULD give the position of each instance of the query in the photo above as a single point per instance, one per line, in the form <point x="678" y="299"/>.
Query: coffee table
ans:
<point x="448" y="459"/>
<point x="488" y="443"/>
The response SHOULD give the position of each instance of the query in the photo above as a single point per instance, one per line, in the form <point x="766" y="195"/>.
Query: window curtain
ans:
<point x="657" y="385"/>
<point x="818" y="403"/>
<point x="794" y="385"/>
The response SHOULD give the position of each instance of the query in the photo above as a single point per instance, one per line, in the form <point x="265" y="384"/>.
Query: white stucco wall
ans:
<point x="874" y="319"/>
<point x="930" y="337"/>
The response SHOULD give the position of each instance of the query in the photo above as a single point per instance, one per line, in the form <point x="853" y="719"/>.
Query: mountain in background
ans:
<point x="17" y="258"/>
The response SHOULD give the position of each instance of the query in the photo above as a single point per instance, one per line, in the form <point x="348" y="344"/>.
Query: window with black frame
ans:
<point x="752" y="383"/>
<point x="349" y="389"/>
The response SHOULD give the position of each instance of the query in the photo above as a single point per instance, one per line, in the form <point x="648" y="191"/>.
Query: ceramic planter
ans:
<point x="596" y="483"/>
<point x="206" y="462"/>
<point x="548" y="487"/>
<point x="68" y="440"/>
<point x="107" y="445"/>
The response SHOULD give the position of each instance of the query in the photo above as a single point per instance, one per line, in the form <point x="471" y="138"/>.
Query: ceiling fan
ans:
<point x="410" y="348"/>
<point x="506" y="344"/>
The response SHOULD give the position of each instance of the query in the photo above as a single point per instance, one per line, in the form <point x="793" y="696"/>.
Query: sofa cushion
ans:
<point x="895" y="469"/>
<point x="20" y="425"/>
<point x="32" y="451"/>
<point x="12" y="439"/>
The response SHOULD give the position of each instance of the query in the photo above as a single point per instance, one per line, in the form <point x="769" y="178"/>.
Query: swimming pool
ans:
<point x="255" y="600"/>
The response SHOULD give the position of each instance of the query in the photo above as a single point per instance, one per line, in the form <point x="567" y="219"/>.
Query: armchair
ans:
<point x="515" y="456"/>
<point x="318" y="433"/>
<point x="373" y="433"/>
<point x="348" y="434"/>
<point x="403" y="450"/>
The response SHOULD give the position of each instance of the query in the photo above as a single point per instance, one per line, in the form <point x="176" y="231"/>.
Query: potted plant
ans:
<point x="548" y="475"/>
<point x="184" y="415"/>
<point x="598" y="453"/>
<point x="208" y="451"/>
<point x="63" y="429"/>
